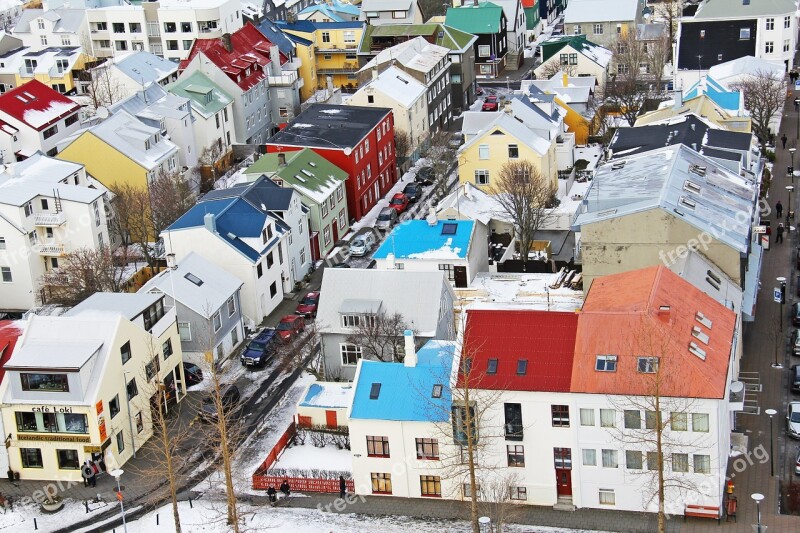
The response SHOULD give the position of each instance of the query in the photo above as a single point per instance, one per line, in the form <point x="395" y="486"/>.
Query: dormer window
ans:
<point x="647" y="365"/>
<point x="147" y="144"/>
<point x="700" y="317"/>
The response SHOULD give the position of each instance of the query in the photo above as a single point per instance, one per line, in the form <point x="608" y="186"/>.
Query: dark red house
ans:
<point x="9" y="333"/>
<point x="359" y="140"/>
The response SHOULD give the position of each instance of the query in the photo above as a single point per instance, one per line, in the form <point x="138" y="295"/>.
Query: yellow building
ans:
<point x="52" y="66"/>
<point x="325" y="49"/>
<point x="703" y="107"/>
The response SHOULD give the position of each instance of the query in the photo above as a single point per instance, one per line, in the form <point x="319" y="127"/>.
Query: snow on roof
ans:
<point x="331" y="395"/>
<point x="732" y="71"/>
<point x="512" y="290"/>
<point x="40" y="175"/>
<point x="127" y="135"/>
<point x="397" y="85"/>
<point x="129" y="305"/>
<point x="143" y="67"/>
<point x="581" y="11"/>
<point x="416" y="54"/>
<point x="416" y="239"/>
<point x="471" y="202"/>
<point x="36" y="105"/>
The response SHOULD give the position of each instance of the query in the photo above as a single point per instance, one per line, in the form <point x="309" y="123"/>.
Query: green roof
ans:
<point x="452" y="38"/>
<point x="481" y="19"/>
<point x="206" y="96"/>
<point x="554" y="44"/>
<point x="307" y="172"/>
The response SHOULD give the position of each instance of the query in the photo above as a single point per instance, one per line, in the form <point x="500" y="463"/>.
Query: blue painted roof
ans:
<point x="723" y="97"/>
<point x="416" y="239"/>
<point x="309" y="26"/>
<point x="334" y="10"/>
<point x="406" y="392"/>
<point x="272" y="32"/>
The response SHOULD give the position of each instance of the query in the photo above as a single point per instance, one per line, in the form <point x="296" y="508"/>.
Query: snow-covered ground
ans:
<point x="309" y="457"/>
<point x="533" y="290"/>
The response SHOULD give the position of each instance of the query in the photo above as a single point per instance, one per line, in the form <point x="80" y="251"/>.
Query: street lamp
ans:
<point x="117" y="473"/>
<point x="758" y="497"/>
<point x="770" y="413"/>
<point x="792" y="150"/>
<point x="790" y="211"/>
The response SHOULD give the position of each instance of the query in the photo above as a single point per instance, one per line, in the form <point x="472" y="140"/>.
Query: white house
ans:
<point x="10" y="10"/>
<point x="128" y="73"/>
<point x="56" y="27"/>
<point x="379" y="12"/>
<point x="325" y="403"/>
<point x="48" y="207"/>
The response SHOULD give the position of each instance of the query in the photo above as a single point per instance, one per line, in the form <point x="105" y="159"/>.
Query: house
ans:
<point x="702" y="106"/>
<point x="122" y="149"/>
<point x="352" y="295"/>
<point x="207" y="302"/>
<point x="320" y="185"/>
<point x="602" y="22"/>
<point x="57" y="67"/>
<point x="713" y="32"/>
<point x="488" y="22"/>
<point x="686" y="198"/>
<point x="257" y="232"/>
<point x="575" y="55"/>
<point x="331" y="11"/>
<point x="460" y="45"/>
<point x="573" y="96"/>
<point x="401" y="410"/>
<point x="212" y="118"/>
<point x="325" y="404"/>
<point x="729" y="73"/>
<point x="730" y="101"/>
<point x="35" y="117"/>
<point x="533" y="20"/>
<point x="39" y="28"/>
<point x="469" y="202"/>
<point x="549" y="10"/>
<point x="520" y="131"/>
<point x="99" y="369"/>
<point x="380" y="12"/>
<point x="8" y="75"/>
<point x="126" y="74"/>
<point x="48" y="208"/>
<point x="456" y="247"/>
<point x="250" y="68"/>
<point x="10" y="10"/>
<point x="285" y="9"/>
<point x="515" y="30"/>
<point x="358" y="140"/>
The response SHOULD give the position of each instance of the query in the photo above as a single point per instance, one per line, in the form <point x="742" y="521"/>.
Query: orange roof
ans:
<point x="653" y="312"/>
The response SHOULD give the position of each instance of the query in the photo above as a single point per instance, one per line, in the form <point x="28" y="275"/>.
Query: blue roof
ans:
<point x="144" y="67"/>
<point x="272" y="32"/>
<point x="333" y="11"/>
<point x="309" y="26"/>
<point x="416" y="239"/>
<point x="723" y="97"/>
<point x="406" y="393"/>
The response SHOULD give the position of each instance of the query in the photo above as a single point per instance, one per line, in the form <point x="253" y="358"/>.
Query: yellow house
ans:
<point x="52" y="66"/>
<point x="701" y="106"/>
<point x="325" y="49"/>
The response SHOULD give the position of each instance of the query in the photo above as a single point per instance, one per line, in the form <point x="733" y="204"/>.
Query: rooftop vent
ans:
<point x="307" y="173"/>
<point x="697" y="169"/>
<point x="312" y="164"/>
<point x="688" y="202"/>
<point x="691" y="186"/>
<point x="231" y="235"/>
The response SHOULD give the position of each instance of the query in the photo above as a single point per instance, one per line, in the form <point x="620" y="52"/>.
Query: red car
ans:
<point x="399" y="202"/>
<point x="290" y="327"/>
<point x="490" y="104"/>
<point x="308" y="305"/>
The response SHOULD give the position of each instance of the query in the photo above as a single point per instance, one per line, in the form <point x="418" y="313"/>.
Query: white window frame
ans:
<point x="347" y="350"/>
<point x="187" y="327"/>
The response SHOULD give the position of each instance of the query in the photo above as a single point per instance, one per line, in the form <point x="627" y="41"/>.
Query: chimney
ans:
<point x="291" y="17"/>
<point x="329" y="84"/>
<point x="256" y="19"/>
<point x="226" y="42"/>
<point x="374" y="74"/>
<point x="432" y="218"/>
<point x="565" y="79"/>
<point x="677" y="95"/>
<point x="281" y="159"/>
<point x="507" y="106"/>
<point x="210" y="222"/>
<point x="274" y="61"/>
<point x="466" y="190"/>
<point x="390" y="262"/>
<point x="410" y="359"/>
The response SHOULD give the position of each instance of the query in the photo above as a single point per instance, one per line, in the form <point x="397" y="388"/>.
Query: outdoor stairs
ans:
<point x="564" y="503"/>
<point x="512" y="60"/>
<point x="752" y="387"/>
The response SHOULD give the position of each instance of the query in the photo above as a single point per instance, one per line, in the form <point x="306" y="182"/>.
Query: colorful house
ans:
<point x="53" y="66"/>
<point x="532" y="17"/>
<point x="488" y="22"/>
<point x="575" y="55"/>
<point x="730" y="101"/>
<point x="702" y="106"/>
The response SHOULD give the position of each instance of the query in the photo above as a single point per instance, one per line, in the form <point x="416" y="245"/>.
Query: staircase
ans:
<point x="512" y="60"/>
<point x="564" y="503"/>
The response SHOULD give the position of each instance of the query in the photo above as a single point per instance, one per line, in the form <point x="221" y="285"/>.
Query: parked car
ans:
<point x="308" y="305"/>
<point x="261" y="349"/>
<point x="341" y="265"/>
<point x="794" y="376"/>
<point x="797" y="463"/>
<point x="425" y="176"/>
<point x="192" y="373"/>
<point x="230" y="398"/>
<point x="490" y="104"/>
<point x="793" y="420"/>
<point x="399" y="202"/>
<point x="456" y="140"/>
<point x="796" y="314"/>
<point x="290" y="327"/>
<point x="386" y="219"/>
<point x="412" y="192"/>
<point x="796" y="343"/>
<point x="362" y="244"/>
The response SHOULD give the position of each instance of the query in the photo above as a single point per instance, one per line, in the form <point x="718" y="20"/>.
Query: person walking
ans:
<point x="342" y="487"/>
<point x="779" y="238"/>
<point x="779" y="209"/>
<point x="783" y="140"/>
<point x="285" y="488"/>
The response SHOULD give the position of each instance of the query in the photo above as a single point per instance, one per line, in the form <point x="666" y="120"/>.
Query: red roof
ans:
<point x="653" y="312"/>
<point x="246" y="63"/>
<point x="36" y="105"/>
<point x="9" y="333"/>
<point x="546" y="339"/>
<point x="528" y="3"/>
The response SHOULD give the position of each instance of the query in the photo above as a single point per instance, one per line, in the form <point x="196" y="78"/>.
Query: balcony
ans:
<point x="286" y="79"/>
<point x="350" y="67"/>
<point x="49" y="220"/>
<point x="49" y="249"/>
<point x="514" y="431"/>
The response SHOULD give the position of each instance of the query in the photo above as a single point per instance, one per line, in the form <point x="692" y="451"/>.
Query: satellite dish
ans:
<point x="102" y="112"/>
<point x="348" y="151"/>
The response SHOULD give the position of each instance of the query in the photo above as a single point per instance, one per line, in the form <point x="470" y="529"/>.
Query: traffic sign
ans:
<point x="759" y="229"/>
<point x="776" y="295"/>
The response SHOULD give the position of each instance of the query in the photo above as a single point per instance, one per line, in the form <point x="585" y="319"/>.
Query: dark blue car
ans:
<point x="260" y="350"/>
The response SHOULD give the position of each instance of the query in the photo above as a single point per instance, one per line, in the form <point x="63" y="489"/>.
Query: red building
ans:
<point x="9" y="333"/>
<point x="359" y="140"/>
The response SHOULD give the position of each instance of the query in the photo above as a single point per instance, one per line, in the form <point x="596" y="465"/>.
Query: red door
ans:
<point x="335" y="226"/>
<point x="330" y="419"/>
<point x="563" y="482"/>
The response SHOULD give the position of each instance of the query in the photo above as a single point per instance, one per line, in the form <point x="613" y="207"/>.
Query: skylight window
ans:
<point x="606" y="363"/>
<point x="437" y="391"/>
<point x="686" y="202"/>
<point x="698" y="334"/>
<point x="619" y="165"/>
<point x="312" y="164"/>
<point x="522" y="367"/>
<point x="694" y="349"/>
<point x="697" y="169"/>
<point x="449" y="228"/>
<point x="307" y="173"/>
<point x="491" y="368"/>
<point x="647" y="365"/>
<point x="194" y="279"/>
<point x="374" y="391"/>
<point x="691" y="186"/>
<point x="700" y="317"/>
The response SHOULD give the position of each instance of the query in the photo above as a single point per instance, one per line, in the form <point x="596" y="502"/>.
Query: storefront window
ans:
<point x="68" y="459"/>
<point x="31" y="457"/>
<point x="52" y="422"/>
<point x="45" y="382"/>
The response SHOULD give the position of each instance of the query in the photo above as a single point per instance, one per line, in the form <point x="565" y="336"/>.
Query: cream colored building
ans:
<point x="80" y="386"/>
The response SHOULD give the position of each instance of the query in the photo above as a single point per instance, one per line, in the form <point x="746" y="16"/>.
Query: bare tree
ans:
<point x="657" y="54"/>
<point x="554" y="66"/>
<point x="402" y="144"/>
<point x="497" y="493"/>
<point x="130" y="222"/>
<point x="764" y="94"/>
<point x="102" y="88"/>
<point x="669" y="11"/>
<point x="626" y="90"/>
<point x="526" y="197"/>
<point x="380" y="336"/>
<point x="80" y="274"/>
<point x="170" y="197"/>
<point x="442" y="159"/>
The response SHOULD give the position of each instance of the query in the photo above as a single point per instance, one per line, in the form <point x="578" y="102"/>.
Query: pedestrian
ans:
<point x="285" y="488"/>
<point x="273" y="494"/>
<point x="779" y="209"/>
<point x="95" y="471"/>
<point x="342" y="487"/>
<point x="87" y="472"/>
<point x="783" y="140"/>
<point x="780" y="233"/>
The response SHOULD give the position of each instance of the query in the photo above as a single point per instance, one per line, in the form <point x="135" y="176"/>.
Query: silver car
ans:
<point x="793" y="420"/>
<point x="362" y="244"/>
<point x="386" y="218"/>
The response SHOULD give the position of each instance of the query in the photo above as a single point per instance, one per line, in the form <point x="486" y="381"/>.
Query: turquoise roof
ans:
<point x="485" y="18"/>
<point x="206" y="96"/>
<point x="406" y="393"/>
<point x="722" y="96"/>
<point x="416" y="239"/>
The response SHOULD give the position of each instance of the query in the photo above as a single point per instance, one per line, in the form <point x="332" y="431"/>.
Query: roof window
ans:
<point x="691" y="186"/>
<point x="703" y="319"/>
<point x="307" y="173"/>
<point x="687" y="202"/>
<point x="312" y="164"/>
<point x="522" y="367"/>
<point x="647" y="365"/>
<point x="491" y="367"/>
<point x="374" y="391"/>
<point x="697" y="169"/>
<point x="194" y="279"/>
<point x="619" y="165"/>
<point x="698" y="334"/>
<point x="694" y="349"/>
<point x="437" y="391"/>
<point x="449" y="228"/>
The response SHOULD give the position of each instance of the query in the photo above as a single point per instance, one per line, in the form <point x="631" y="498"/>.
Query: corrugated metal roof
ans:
<point x="484" y="18"/>
<point x="416" y="239"/>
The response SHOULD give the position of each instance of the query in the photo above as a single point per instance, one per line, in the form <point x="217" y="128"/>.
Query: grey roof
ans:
<point x="420" y="306"/>
<point x="697" y="269"/>
<point x="733" y="9"/>
<point x="650" y="32"/>
<point x="40" y="175"/>
<point x="152" y="103"/>
<point x="581" y="11"/>
<point x="130" y="305"/>
<point x="360" y="305"/>
<point x="216" y="288"/>
<point x="66" y="20"/>
<point x="385" y="5"/>
<point x="144" y="67"/>
<point x="664" y="179"/>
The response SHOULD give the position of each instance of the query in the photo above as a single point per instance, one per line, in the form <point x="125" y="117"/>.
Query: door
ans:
<point x="330" y="419"/>
<point x="335" y="227"/>
<point x="563" y="482"/>
<point x="460" y="276"/>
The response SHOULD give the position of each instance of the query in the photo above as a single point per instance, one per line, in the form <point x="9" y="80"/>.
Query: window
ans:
<point x="522" y="367"/>
<point x="587" y="417"/>
<point x="377" y="446"/>
<point x="152" y="368"/>
<point x="680" y="462"/>
<point x="769" y="47"/>
<point x="610" y="459"/>
<point x="44" y="382"/>
<point x="622" y="68"/>
<point x="381" y="483"/>
<point x="650" y="420"/>
<point x="560" y="415"/>
<point x="562" y="458"/>
<point x="459" y="420"/>
<point x="652" y="460"/>
<point x="49" y="132"/>
<point x="31" y="457"/>
<point x="484" y="50"/>
<point x="633" y="419"/>
<point x="606" y="363"/>
<point x="430" y="485"/>
<point x="70" y="120"/>
<point x="113" y="406"/>
<point x="273" y="289"/>
<point x="185" y="331"/>
<point x="787" y="22"/>
<point x="491" y="367"/>
<point x="5" y="274"/>
<point x="518" y="493"/>
<point x="513" y="421"/>
<point x="349" y="36"/>
<point x="326" y="37"/>
<point x="171" y="45"/>
<point x="679" y="421"/>
<point x="633" y="460"/>
<point x="607" y="418"/>
<point x="166" y="347"/>
<point x="427" y="448"/>
<point x="399" y="14"/>
<point x="702" y="464"/>
<point x="578" y="29"/>
<point x="68" y="459"/>
<point x="647" y="365"/>
<point x="231" y="304"/>
<point x="259" y="270"/>
<point x="481" y="177"/>
<point x="700" y="422"/>
<point x="170" y="27"/>
<point x="186" y="27"/>
<point x="132" y="389"/>
<point x="607" y="497"/>
<point x="448" y="269"/>
<point x="786" y="44"/>
<point x="153" y="314"/>
<point x="135" y="27"/>
<point x="744" y="34"/>
<point x="597" y="29"/>
<point x="118" y="27"/>
<point x="770" y="22"/>
<point x="351" y="353"/>
<point x="515" y="454"/>
<point x="139" y="422"/>
<point x="120" y="442"/>
<point x="483" y="151"/>
<point x="589" y="457"/>
<point x="513" y="151"/>
<point x="43" y="40"/>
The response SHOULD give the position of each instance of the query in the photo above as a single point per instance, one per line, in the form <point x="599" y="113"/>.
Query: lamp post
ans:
<point x="770" y="413"/>
<point x="758" y="497"/>
<point x="130" y="419"/>
<point x="790" y="210"/>
<point x="117" y="473"/>
<point x="792" y="150"/>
